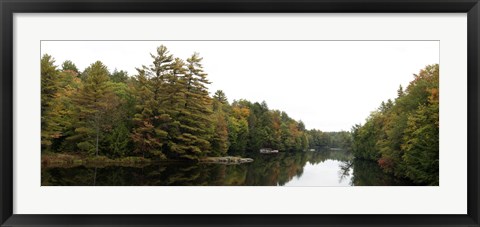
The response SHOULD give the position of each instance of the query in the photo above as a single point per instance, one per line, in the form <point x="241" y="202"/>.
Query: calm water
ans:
<point x="321" y="168"/>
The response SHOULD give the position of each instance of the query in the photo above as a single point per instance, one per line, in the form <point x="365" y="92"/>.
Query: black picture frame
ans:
<point x="9" y="7"/>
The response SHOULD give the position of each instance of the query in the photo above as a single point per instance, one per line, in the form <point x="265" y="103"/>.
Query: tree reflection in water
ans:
<point x="266" y="170"/>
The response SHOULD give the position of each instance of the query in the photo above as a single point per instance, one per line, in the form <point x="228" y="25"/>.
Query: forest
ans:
<point x="164" y="112"/>
<point x="403" y="135"/>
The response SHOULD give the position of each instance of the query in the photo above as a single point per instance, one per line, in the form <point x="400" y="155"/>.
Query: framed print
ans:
<point x="263" y="113"/>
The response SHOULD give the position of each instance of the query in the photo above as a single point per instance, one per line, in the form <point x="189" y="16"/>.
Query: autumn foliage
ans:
<point x="403" y="135"/>
<point x="165" y="111"/>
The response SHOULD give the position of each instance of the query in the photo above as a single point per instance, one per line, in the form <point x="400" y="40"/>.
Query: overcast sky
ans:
<point x="329" y="170"/>
<point x="329" y="85"/>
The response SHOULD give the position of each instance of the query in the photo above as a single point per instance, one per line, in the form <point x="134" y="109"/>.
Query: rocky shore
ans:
<point x="226" y="160"/>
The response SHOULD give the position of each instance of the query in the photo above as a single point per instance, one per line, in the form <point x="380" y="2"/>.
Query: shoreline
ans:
<point x="69" y="160"/>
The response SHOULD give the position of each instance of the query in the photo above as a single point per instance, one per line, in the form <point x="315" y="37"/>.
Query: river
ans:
<point x="313" y="168"/>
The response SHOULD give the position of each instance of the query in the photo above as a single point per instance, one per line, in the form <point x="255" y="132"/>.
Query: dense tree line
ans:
<point x="164" y="112"/>
<point x="403" y="135"/>
<point x="319" y="140"/>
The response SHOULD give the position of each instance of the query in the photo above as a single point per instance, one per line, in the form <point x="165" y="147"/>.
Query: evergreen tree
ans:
<point x="95" y="100"/>
<point x="57" y="89"/>
<point x="402" y="136"/>
<point x="195" y="117"/>
<point x="146" y="137"/>
<point x="174" y="103"/>
<point x="400" y="92"/>
<point x="421" y="139"/>
<point x="152" y="120"/>
<point x="238" y="128"/>
<point x="163" y="112"/>
<point x="221" y="98"/>
<point x="119" y="76"/>
<point x="117" y="140"/>
<point x="70" y="66"/>
<point x="219" y="140"/>
<point x="49" y="89"/>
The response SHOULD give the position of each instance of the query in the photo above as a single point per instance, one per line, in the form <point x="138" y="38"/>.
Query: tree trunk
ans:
<point x="96" y="143"/>
<point x="95" y="177"/>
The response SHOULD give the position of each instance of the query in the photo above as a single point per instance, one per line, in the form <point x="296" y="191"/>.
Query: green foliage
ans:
<point x="195" y="115"/>
<point x="220" y="138"/>
<point x="119" y="76"/>
<point x="421" y="146"/>
<point x="57" y="108"/>
<point x="118" y="141"/>
<point x="164" y="111"/>
<point x="95" y="102"/>
<point x="402" y="136"/>
<point x="318" y="139"/>
<point x="49" y="76"/>
<point x="220" y="100"/>
<point x="70" y="66"/>
<point x="147" y="134"/>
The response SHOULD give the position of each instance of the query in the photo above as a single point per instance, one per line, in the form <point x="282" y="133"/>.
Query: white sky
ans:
<point x="329" y="85"/>
<point x="329" y="170"/>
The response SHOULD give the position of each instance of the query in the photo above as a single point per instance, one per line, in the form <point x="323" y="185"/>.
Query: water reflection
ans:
<point x="324" y="174"/>
<point x="368" y="173"/>
<point x="322" y="168"/>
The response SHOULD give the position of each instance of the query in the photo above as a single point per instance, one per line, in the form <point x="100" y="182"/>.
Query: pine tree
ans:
<point x="195" y="117"/>
<point x="95" y="101"/>
<point x="57" y="107"/>
<point x="219" y="140"/>
<point x="238" y="127"/>
<point x="421" y="146"/>
<point x="119" y="76"/>
<point x="49" y="76"/>
<point x="146" y="137"/>
<point x="152" y="121"/>
<point x="117" y="140"/>
<point x="49" y="88"/>
<point x="70" y="66"/>
<point x="220" y="97"/>
<point x="402" y="136"/>
<point x="400" y="92"/>
<point x="120" y="122"/>
<point x="421" y="139"/>
<point x="174" y="105"/>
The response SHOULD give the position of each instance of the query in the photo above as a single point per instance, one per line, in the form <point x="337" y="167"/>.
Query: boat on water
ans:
<point x="267" y="151"/>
